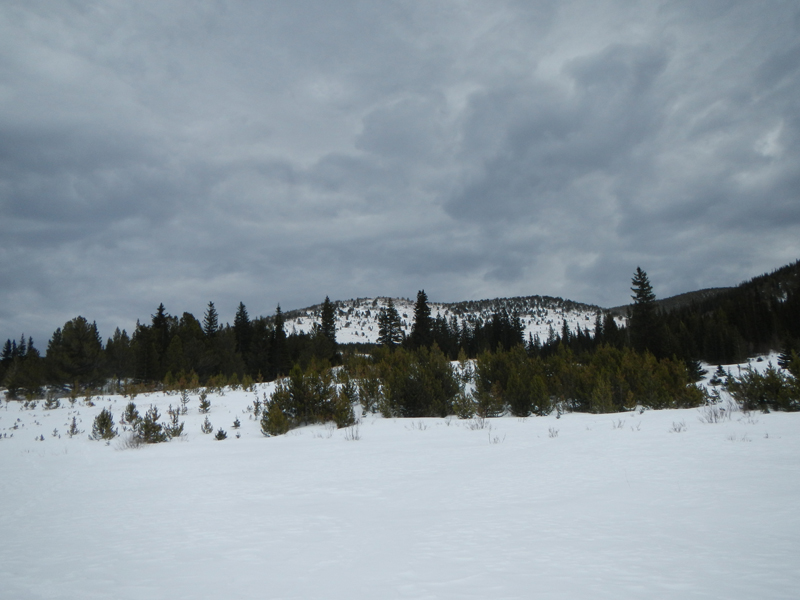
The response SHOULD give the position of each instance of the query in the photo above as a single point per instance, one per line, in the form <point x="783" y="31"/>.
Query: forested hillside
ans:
<point x="533" y="353"/>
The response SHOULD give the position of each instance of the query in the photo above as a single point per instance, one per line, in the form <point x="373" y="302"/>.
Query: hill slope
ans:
<point x="357" y="320"/>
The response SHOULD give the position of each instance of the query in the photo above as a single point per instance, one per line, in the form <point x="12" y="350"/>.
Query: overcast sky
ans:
<point x="279" y="152"/>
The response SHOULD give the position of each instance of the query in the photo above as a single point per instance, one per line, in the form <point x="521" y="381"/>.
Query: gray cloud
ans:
<point x="182" y="153"/>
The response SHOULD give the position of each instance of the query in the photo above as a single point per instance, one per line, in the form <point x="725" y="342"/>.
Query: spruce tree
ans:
<point x="242" y="328"/>
<point x="103" y="427"/>
<point x="280" y="354"/>
<point x="328" y="325"/>
<point x="421" y="330"/>
<point x="390" y="329"/>
<point x="210" y="321"/>
<point x="643" y="316"/>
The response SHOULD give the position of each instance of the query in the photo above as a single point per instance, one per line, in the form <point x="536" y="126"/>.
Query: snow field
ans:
<point x="582" y="506"/>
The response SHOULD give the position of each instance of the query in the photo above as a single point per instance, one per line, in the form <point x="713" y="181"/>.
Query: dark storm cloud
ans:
<point x="186" y="152"/>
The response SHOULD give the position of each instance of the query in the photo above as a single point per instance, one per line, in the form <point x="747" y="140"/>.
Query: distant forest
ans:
<point x="586" y="370"/>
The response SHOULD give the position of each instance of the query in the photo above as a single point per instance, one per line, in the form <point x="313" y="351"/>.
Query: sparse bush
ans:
<point x="206" y="427"/>
<point x="221" y="435"/>
<point x="678" y="427"/>
<point x="73" y="428"/>
<point x="174" y="428"/>
<point x="352" y="433"/>
<point x="205" y="403"/>
<point x="51" y="402"/>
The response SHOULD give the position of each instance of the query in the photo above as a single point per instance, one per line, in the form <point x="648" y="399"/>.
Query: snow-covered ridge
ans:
<point x="357" y="319"/>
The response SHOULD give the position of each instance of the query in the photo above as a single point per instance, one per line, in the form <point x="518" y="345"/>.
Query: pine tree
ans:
<point x="280" y="355"/>
<point x="390" y="329"/>
<point x="328" y="324"/>
<point x="643" y="317"/>
<point x="421" y="330"/>
<point x="103" y="427"/>
<point x="210" y="321"/>
<point x="243" y="330"/>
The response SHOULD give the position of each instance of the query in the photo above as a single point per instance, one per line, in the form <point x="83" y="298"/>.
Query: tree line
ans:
<point x="651" y="362"/>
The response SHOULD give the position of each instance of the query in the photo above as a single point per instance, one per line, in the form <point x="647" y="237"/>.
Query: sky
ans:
<point x="277" y="153"/>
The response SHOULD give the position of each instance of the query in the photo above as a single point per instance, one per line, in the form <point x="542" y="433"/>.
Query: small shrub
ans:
<point x="352" y="433"/>
<point x="130" y="415"/>
<point x="184" y="402"/>
<point x="103" y="427"/>
<point x="73" y="428"/>
<point x="236" y="423"/>
<point x="174" y="428"/>
<point x="553" y="432"/>
<point x="221" y="435"/>
<point x="51" y="403"/>
<point x="678" y="427"/>
<point x="478" y="422"/>
<point x="205" y="403"/>
<point x="206" y="426"/>
<point x="149" y="429"/>
<point x="274" y="421"/>
<point x="464" y="405"/>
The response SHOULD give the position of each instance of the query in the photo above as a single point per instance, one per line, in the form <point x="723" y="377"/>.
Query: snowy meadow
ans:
<point x="662" y="504"/>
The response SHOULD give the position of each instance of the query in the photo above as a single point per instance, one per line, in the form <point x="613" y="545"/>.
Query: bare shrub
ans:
<point x="352" y="433"/>
<point x="678" y="427"/>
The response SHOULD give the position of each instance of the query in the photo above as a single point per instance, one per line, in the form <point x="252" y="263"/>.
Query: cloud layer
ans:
<point x="192" y="151"/>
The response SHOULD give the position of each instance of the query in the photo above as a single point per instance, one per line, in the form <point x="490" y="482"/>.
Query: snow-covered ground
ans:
<point x="638" y="505"/>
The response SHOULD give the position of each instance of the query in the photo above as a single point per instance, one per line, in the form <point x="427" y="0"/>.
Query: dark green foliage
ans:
<point x="422" y="329"/>
<point x="274" y="420"/>
<point x="772" y="390"/>
<point x="149" y="430"/>
<point x="131" y="414"/>
<point x="205" y="403"/>
<point x="390" y="329"/>
<point x="221" y="435"/>
<point x="328" y="324"/>
<point x="23" y="369"/>
<point x="210" y="321"/>
<point x="236" y="423"/>
<point x="511" y="380"/>
<point x="342" y="408"/>
<point x="103" y="427"/>
<point x="420" y="383"/>
<point x="644" y="323"/>
<point x="242" y="329"/>
<point x="75" y="354"/>
<point x="174" y="428"/>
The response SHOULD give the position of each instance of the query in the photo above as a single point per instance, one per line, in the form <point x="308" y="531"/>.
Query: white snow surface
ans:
<point x="582" y="506"/>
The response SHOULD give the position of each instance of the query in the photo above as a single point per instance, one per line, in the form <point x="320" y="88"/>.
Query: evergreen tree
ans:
<point x="643" y="324"/>
<point x="243" y="329"/>
<point x="421" y="331"/>
<point x="280" y="354"/>
<point x="75" y="354"/>
<point x="328" y="324"/>
<point x="390" y="328"/>
<point x="103" y="427"/>
<point x="210" y="321"/>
